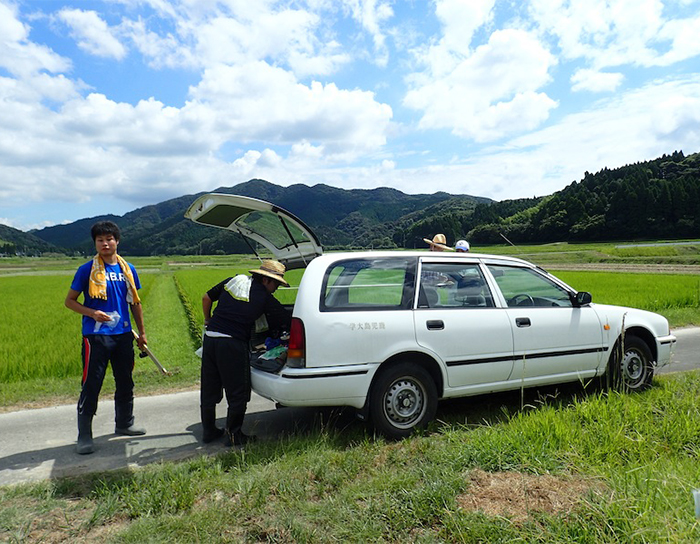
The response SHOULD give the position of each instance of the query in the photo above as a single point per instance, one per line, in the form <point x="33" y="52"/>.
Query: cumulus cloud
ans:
<point x="205" y="34"/>
<point x="608" y="34"/>
<point x="92" y="34"/>
<point x="20" y="56"/>
<point x="257" y="101"/>
<point x="303" y="93"/>
<point x="489" y="93"/>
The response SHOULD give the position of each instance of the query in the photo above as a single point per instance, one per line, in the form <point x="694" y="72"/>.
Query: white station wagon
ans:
<point x="390" y="333"/>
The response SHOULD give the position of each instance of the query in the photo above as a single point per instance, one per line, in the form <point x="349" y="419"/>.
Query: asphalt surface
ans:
<point x="39" y="444"/>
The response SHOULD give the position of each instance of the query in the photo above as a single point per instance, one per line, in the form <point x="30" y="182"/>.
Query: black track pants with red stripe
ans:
<point x="99" y="350"/>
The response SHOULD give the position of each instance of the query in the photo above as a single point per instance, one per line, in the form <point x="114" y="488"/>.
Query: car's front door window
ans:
<point x="527" y="287"/>
<point x="453" y="285"/>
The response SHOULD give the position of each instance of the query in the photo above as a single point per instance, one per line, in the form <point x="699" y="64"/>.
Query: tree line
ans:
<point x="653" y="199"/>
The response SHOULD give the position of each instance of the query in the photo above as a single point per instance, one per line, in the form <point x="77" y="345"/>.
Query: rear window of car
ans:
<point x="369" y="284"/>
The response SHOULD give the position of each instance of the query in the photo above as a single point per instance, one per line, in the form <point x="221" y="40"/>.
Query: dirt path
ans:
<point x="626" y="267"/>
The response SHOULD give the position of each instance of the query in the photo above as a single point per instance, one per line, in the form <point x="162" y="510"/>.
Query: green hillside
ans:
<point x="654" y="199"/>
<point x="14" y="241"/>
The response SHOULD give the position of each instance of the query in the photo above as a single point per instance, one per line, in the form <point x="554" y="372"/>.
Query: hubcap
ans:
<point x="632" y="366"/>
<point x="404" y="403"/>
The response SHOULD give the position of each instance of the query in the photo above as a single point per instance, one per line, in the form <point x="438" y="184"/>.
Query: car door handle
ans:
<point x="522" y="321"/>
<point x="435" y="324"/>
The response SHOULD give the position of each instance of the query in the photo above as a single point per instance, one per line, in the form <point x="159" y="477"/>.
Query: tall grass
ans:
<point x="166" y="328"/>
<point x="193" y="283"/>
<point x="40" y="347"/>
<point x="653" y="292"/>
<point x="41" y="337"/>
<point x="637" y="454"/>
<point x="41" y="355"/>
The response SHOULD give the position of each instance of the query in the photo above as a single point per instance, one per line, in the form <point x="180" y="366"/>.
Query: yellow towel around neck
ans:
<point x="97" y="287"/>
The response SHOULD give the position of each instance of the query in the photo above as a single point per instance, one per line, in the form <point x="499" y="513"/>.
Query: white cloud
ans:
<point x="168" y="51"/>
<point x="615" y="132"/>
<point x="460" y="20"/>
<point x="372" y="14"/>
<point x="489" y="93"/>
<point x="231" y="33"/>
<point x="594" y="81"/>
<point x="260" y="102"/>
<point x="623" y="32"/>
<point x="20" y="56"/>
<point x="92" y="34"/>
<point x="283" y="94"/>
<point x="255" y="159"/>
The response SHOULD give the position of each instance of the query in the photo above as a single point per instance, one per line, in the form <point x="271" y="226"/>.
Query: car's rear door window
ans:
<point x="362" y="284"/>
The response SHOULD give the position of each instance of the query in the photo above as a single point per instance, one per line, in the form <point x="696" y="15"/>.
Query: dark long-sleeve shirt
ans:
<point x="236" y="317"/>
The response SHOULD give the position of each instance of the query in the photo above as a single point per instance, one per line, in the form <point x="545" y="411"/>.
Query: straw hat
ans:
<point x="438" y="240"/>
<point x="272" y="269"/>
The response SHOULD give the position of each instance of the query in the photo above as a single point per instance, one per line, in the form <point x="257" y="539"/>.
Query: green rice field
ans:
<point x="40" y="351"/>
<point x="550" y="465"/>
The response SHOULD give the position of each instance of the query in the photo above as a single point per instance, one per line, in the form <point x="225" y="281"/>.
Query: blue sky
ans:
<point x="109" y="106"/>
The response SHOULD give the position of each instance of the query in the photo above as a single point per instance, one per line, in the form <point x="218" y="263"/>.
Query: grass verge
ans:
<point x="562" y="466"/>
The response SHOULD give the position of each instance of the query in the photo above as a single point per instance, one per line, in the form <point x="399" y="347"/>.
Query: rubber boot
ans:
<point x="234" y="433"/>
<point x="85" y="444"/>
<point x="210" y="431"/>
<point x="124" y="420"/>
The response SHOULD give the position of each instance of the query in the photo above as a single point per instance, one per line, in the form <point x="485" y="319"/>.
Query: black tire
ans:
<point x="403" y="399"/>
<point x="630" y="367"/>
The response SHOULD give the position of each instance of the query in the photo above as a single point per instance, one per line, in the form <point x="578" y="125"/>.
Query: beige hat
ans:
<point x="438" y="240"/>
<point x="271" y="269"/>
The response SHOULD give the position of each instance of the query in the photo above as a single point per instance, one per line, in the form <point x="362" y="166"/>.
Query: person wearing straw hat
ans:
<point x="438" y="243"/>
<point x="240" y="302"/>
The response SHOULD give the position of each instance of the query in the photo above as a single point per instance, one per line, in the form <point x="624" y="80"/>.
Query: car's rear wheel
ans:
<point x="403" y="398"/>
<point x="630" y="367"/>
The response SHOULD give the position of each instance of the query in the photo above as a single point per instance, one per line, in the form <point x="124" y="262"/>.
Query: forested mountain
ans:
<point x="340" y="218"/>
<point x="654" y="199"/>
<point x="647" y="200"/>
<point x="14" y="241"/>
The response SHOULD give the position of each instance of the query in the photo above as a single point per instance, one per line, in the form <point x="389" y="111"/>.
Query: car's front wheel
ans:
<point x="403" y="398"/>
<point x="630" y="367"/>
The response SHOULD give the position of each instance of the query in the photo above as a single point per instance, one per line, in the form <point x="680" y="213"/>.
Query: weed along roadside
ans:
<point x="553" y="464"/>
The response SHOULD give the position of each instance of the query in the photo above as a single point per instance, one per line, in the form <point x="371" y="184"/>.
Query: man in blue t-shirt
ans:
<point x="109" y="286"/>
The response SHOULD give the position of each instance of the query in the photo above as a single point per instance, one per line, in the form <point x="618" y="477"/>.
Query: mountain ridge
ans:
<point x="657" y="198"/>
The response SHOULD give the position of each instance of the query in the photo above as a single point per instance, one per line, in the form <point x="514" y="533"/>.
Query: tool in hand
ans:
<point x="148" y="353"/>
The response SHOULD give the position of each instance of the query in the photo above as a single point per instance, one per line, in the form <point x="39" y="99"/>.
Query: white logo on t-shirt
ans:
<point x="114" y="276"/>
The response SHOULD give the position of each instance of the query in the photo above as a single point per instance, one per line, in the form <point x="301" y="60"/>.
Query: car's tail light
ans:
<point x="296" y="353"/>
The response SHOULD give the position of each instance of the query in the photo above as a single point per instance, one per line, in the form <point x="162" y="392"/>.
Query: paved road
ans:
<point x="40" y="444"/>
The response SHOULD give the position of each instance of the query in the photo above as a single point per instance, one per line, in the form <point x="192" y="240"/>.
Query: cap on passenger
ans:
<point x="462" y="245"/>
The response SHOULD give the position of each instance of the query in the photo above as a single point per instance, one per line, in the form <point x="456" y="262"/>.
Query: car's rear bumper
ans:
<point x="329" y="386"/>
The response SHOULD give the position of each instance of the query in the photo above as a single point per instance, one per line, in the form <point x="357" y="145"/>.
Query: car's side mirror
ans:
<point x="581" y="298"/>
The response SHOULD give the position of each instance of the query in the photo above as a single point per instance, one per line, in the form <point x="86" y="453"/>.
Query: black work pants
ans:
<point x="225" y="368"/>
<point x="98" y="351"/>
